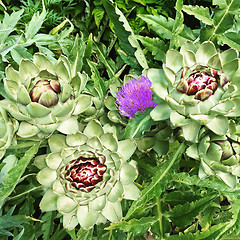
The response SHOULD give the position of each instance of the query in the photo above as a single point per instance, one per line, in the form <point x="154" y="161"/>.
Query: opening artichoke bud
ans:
<point x="45" y="92"/>
<point x="84" y="172"/>
<point x="201" y="84"/>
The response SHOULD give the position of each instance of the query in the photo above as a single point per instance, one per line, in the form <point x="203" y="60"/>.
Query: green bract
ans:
<point x="45" y="96"/>
<point x="8" y="128"/>
<point x="201" y="87"/>
<point x="218" y="155"/>
<point x="86" y="175"/>
<point x="157" y="139"/>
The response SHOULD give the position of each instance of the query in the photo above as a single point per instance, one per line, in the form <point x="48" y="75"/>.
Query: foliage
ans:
<point x="109" y="42"/>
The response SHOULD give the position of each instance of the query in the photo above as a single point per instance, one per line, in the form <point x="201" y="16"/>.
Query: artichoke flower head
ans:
<point x="45" y="96"/>
<point x="135" y="96"/>
<point x="87" y="174"/>
<point x="200" y="88"/>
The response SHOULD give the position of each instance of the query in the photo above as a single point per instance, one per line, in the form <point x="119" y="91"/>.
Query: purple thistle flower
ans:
<point x="134" y="96"/>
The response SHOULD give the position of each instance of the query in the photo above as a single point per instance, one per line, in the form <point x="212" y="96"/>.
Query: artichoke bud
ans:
<point x="45" y="97"/>
<point x="199" y="83"/>
<point x="84" y="172"/>
<point x="46" y="92"/>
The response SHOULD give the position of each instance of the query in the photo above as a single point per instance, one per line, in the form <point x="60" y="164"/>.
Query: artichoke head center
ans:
<point x="84" y="172"/>
<point x="202" y="83"/>
<point x="45" y="92"/>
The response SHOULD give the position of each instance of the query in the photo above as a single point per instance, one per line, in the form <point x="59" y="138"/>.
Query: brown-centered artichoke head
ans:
<point x="87" y="174"/>
<point x="198" y="86"/>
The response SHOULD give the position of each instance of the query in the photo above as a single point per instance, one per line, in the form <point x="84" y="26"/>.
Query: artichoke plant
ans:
<point x="86" y="175"/>
<point x="218" y="155"/>
<point x="8" y="127"/>
<point x="201" y="87"/>
<point x="44" y="96"/>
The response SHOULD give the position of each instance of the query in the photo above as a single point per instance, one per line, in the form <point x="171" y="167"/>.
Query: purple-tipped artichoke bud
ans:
<point x="135" y="96"/>
<point x="197" y="82"/>
<point x="51" y="88"/>
<point x="200" y="88"/>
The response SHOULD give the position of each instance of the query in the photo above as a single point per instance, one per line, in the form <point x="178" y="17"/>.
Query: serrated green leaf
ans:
<point x="156" y="46"/>
<point x="99" y="84"/>
<point x="222" y="19"/>
<point x="8" y="24"/>
<point x="122" y="33"/>
<point x="135" y="226"/>
<point x="109" y="64"/>
<point x="136" y="126"/>
<point x="199" y="12"/>
<point x="47" y="227"/>
<point x="157" y="186"/>
<point x="159" y="24"/>
<point x="7" y="221"/>
<point x="178" y="25"/>
<point x="76" y="55"/>
<point x="98" y="13"/>
<point x="83" y="234"/>
<point x="166" y="28"/>
<point x="59" y="233"/>
<point x="209" y="234"/>
<point x="19" y="53"/>
<point x="231" y="237"/>
<point x="231" y="39"/>
<point x="35" y="24"/>
<point x="72" y="234"/>
<point x="211" y="183"/>
<point x="133" y="40"/>
<point x="18" y="237"/>
<point x="15" y="173"/>
<point x="231" y="5"/>
<point x="234" y="224"/>
<point x="181" y="236"/>
<point x="183" y="215"/>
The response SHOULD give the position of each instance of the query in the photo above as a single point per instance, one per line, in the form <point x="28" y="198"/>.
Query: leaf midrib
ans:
<point x="226" y="12"/>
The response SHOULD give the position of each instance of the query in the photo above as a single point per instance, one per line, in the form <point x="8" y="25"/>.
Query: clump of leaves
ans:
<point x="56" y="11"/>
